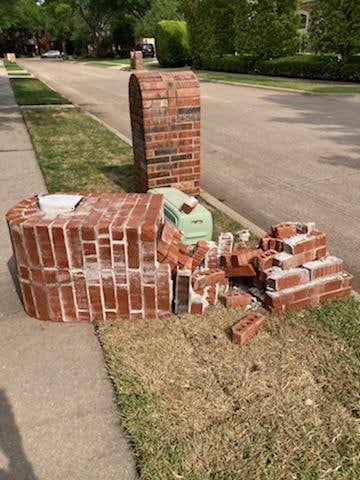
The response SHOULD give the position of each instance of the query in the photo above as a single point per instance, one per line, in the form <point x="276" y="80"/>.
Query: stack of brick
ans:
<point x="198" y="280"/>
<point x="302" y="272"/>
<point x="291" y="269"/>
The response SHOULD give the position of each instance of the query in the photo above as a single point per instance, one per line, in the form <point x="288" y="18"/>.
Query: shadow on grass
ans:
<point x="121" y="175"/>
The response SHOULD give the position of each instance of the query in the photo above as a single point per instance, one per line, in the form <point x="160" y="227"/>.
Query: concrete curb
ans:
<point x="281" y="89"/>
<point x="214" y="202"/>
<point x="51" y="106"/>
<point x="122" y="137"/>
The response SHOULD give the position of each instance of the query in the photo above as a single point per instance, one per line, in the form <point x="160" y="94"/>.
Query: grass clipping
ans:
<point x="198" y="407"/>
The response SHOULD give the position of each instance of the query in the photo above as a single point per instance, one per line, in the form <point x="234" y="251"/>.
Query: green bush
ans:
<point x="230" y="63"/>
<point x="351" y="72"/>
<point x="172" y="43"/>
<point x="298" y="66"/>
<point x="211" y="28"/>
<point x="326" y="67"/>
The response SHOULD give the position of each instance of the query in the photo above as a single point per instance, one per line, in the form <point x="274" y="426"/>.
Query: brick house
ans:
<point x="306" y="8"/>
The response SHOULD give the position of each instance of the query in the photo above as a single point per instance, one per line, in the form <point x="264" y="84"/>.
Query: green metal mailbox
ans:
<point x="196" y="225"/>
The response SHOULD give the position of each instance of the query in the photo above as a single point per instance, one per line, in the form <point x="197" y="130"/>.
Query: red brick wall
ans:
<point x="165" y="121"/>
<point x="96" y="263"/>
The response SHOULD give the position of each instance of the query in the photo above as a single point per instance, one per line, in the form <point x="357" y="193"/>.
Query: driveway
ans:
<point x="270" y="155"/>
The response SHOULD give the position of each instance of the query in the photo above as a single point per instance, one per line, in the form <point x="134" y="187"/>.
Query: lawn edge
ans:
<point x="36" y="77"/>
<point x="267" y="87"/>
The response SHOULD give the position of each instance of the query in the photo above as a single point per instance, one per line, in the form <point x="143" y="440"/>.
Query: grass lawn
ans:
<point x="76" y="153"/>
<point x="31" y="91"/>
<point x="111" y="62"/>
<point x="10" y="66"/>
<point x="291" y="84"/>
<point x="195" y="406"/>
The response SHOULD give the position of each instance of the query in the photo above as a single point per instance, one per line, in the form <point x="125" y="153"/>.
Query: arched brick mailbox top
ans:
<point x="165" y="120"/>
<point x="97" y="262"/>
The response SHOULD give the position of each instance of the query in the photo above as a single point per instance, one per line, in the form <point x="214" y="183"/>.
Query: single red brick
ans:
<point x="246" y="328"/>
<point x="136" y="300"/>
<point x="287" y="261"/>
<point x="97" y="312"/>
<point x="235" y="299"/>
<point x="189" y="205"/>
<point x="242" y="271"/>
<point x="336" y="294"/>
<point x="245" y="256"/>
<point x="74" y="242"/>
<point x="80" y="290"/>
<point x="123" y="302"/>
<point x="265" y="260"/>
<point x="28" y="299"/>
<point x="322" y="252"/>
<point x="299" y="244"/>
<point x="67" y="298"/>
<point x="60" y="252"/>
<point x="149" y="302"/>
<point x="55" y="310"/>
<point x="283" y="230"/>
<point x="108" y="291"/>
<point x="324" y="267"/>
<point x="30" y="244"/>
<point x="45" y="248"/>
<point x="197" y="308"/>
<point x="278" y="279"/>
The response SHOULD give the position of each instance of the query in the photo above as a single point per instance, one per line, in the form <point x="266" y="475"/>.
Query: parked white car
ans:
<point x="51" y="54"/>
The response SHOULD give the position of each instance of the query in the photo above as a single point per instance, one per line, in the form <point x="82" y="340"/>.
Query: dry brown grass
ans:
<point x="197" y="407"/>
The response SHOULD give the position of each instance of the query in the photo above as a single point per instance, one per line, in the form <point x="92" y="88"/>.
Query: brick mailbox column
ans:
<point x="136" y="60"/>
<point x="165" y="121"/>
<point x="98" y="262"/>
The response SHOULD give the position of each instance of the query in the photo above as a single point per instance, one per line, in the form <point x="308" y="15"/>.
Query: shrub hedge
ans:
<point x="172" y="43"/>
<point x="298" y="66"/>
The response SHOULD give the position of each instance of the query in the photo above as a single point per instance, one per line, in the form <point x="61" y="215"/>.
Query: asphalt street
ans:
<point x="270" y="155"/>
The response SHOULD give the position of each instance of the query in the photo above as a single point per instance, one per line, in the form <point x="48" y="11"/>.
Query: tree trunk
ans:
<point x="345" y="55"/>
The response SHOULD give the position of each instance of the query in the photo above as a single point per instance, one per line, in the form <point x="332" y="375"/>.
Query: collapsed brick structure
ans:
<point x="113" y="257"/>
<point x="303" y="273"/>
<point x="165" y="121"/>
<point x="289" y="269"/>
<point x="98" y="262"/>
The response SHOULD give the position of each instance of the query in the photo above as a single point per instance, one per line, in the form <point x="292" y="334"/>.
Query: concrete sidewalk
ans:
<point x="58" y="419"/>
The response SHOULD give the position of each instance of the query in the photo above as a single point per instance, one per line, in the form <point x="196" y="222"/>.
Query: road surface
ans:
<point x="270" y="155"/>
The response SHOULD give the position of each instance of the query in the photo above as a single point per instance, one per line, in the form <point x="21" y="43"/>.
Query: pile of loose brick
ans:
<point x="289" y="269"/>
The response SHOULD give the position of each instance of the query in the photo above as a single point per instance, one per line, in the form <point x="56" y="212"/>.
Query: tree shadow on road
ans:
<point x="11" y="446"/>
<point x="335" y="117"/>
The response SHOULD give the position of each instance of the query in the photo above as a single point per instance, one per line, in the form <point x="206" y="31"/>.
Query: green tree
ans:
<point x="267" y="28"/>
<point x="211" y="27"/>
<point x="159" y="10"/>
<point x="61" y="20"/>
<point x="20" y="20"/>
<point x="335" y="27"/>
<point x="100" y="16"/>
